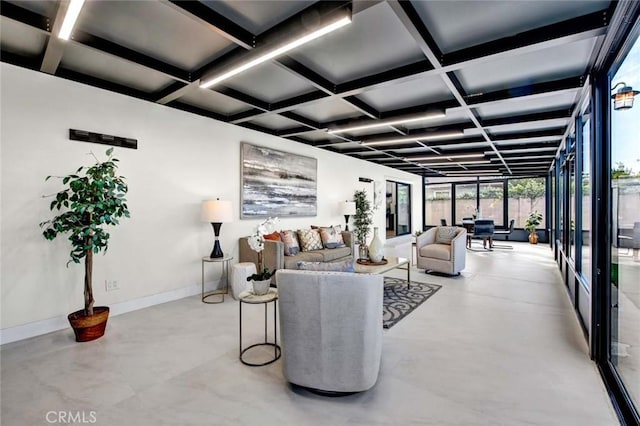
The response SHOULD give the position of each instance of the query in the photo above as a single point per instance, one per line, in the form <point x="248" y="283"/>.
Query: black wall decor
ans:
<point x="363" y="179"/>
<point x="85" y="136"/>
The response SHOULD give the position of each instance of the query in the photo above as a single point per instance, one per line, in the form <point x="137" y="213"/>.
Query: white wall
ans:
<point x="181" y="159"/>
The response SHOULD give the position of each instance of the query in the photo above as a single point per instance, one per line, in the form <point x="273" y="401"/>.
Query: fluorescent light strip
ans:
<point x="411" y="138"/>
<point x="389" y="122"/>
<point x="277" y="52"/>
<point x="73" y="10"/>
<point x="454" y="163"/>
<point x="440" y="157"/>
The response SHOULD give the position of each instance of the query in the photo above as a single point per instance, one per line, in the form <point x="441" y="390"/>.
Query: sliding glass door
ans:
<point x="624" y="333"/>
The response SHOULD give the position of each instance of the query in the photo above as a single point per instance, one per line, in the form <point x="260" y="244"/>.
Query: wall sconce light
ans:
<point x="623" y="98"/>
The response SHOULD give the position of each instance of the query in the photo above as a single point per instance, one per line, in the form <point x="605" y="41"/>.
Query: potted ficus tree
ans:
<point x="534" y="219"/>
<point x="93" y="198"/>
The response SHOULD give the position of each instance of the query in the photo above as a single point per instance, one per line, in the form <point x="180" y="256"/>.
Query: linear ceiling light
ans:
<point x="454" y="163"/>
<point x="258" y="56"/>
<point x="443" y="156"/>
<point x="470" y="172"/>
<point x="389" y="122"/>
<point x="433" y="136"/>
<point x="73" y="10"/>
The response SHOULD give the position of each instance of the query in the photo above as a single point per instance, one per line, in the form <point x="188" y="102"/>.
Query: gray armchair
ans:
<point x="331" y="329"/>
<point x="438" y="256"/>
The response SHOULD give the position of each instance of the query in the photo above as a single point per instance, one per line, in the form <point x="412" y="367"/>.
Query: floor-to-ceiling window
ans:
<point x="585" y="200"/>
<point x="526" y="195"/>
<point x="491" y="202"/>
<point x="437" y="203"/>
<point x="466" y="201"/>
<point x="625" y="226"/>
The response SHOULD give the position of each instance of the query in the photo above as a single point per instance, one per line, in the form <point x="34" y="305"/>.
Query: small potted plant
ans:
<point x="262" y="279"/>
<point x="93" y="199"/>
<point x="534" y="219"/>
<point x="362" y="221"/>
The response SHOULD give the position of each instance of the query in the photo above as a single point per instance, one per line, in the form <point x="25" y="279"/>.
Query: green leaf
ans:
<point x="109" y="151"/>
<point x="47" y="178"/>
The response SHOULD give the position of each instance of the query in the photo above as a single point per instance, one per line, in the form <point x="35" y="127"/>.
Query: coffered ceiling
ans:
<point x="501" y="80"/>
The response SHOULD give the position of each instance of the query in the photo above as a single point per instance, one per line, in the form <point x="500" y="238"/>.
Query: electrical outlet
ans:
<point x="111" y="285"/>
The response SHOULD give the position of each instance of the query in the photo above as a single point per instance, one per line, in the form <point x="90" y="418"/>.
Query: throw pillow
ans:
<point x="445" y="234"/>
<point x="290" y="240"/>
<point x="273" y="237"/>
<point x="309" y="239"/>
<point x="344" y="266"/>
<point x="331" y="237"/>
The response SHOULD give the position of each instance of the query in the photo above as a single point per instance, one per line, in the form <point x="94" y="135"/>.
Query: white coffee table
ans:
<point x="392" y="263"/>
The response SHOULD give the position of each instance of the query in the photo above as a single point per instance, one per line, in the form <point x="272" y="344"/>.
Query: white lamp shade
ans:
<point x="348" y="207"/>
<point x="216" y="211"/>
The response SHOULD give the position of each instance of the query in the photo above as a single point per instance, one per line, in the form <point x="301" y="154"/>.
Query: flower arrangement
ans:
<point x="256" y="242"/>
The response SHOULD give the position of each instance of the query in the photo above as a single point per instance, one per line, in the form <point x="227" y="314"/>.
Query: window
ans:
<point x="398" y="196"/>
<point x="437" y="203"/>
<point x="492" y="202"/>
<point x="466" y="199"/>
<point x="585" y="197"/>
<point x="526" y="195"/>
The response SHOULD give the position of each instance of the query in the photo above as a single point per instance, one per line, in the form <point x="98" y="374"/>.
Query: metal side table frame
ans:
<point x="225" y="273"/>
<point x="250" y="298"/>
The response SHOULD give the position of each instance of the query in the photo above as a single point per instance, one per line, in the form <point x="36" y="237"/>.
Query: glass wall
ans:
<point x="466" y="200"/>
<point x="585" y="200"/>
<point x="492" y="202"/>
<point x="437" y="203"/>
<point x="625" y="230"/>
<point x="525" y="196"/>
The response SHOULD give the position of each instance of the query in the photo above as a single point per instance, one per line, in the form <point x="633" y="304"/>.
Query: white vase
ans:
<point x="375" y="247"/>
<point x="261" y="287"/>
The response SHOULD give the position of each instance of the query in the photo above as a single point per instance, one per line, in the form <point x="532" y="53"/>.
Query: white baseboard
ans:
<point x="37" y="328"/>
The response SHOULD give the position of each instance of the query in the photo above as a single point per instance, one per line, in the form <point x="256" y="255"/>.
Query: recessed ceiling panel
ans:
<point x="518" y="106"/>
<point x="329" y="110"/>
<point x="530" y="126"/>
<point x="420" y="91"/>
<point x="375" y="41"/>
<point x="110" y="68"/>
<point x="275" y="122"/>
<point x="520" y="70"/>
<point x="257" y="16"/>
<point x="155" y="29"/>
<point x="47" y="8"/>
<point x="21" y="39"/>
<point x="455" y="25"/>
<point x="213" y="101"/>
<point x="269" y="83"/>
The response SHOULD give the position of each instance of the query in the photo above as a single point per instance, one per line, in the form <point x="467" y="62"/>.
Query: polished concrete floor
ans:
<point x="499" y="345"/>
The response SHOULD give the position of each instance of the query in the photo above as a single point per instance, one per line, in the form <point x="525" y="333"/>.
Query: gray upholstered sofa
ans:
<point x="274" y="258"/>
<point x="331" y="329"/>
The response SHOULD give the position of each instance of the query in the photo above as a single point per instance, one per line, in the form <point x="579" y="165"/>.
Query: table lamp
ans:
<point x="216" y="212"/>
<point x="347" y="208"/>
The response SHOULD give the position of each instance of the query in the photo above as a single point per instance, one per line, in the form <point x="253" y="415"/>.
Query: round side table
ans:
<point x="250" y="298"/>
<point x="225" y="274"/>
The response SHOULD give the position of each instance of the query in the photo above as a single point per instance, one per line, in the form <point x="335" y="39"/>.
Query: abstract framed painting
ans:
<point x="277" y="183"/>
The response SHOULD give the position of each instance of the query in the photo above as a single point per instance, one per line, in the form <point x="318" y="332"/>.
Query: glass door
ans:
<point x="624" y="344"/>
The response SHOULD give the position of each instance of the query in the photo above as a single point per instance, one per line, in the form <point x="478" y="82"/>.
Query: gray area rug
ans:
<point x="400" y="301"/>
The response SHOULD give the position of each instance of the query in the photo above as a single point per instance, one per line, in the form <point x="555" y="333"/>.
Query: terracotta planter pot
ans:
<point x="89" y="328"/>
<point x="533" y="238"/>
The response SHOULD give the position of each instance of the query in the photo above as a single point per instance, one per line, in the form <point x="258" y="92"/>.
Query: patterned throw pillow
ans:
<point x="344" y="266"/>
<point x="310" y="239"/>
<point x="290" y="240"/>
<point x="331" y="237"/>
<point x="445" y="234"/>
